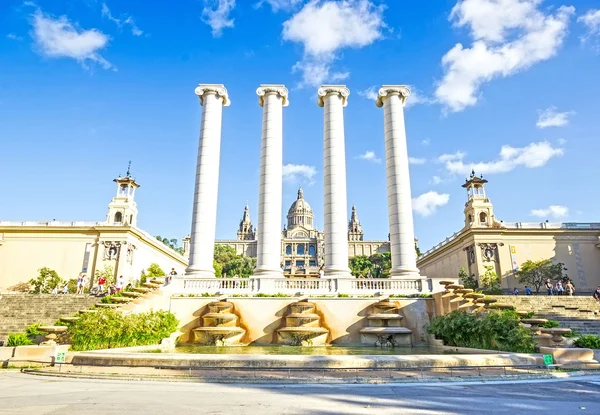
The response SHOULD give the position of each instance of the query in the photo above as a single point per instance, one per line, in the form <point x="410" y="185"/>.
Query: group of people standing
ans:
<point x="559" y="289"/>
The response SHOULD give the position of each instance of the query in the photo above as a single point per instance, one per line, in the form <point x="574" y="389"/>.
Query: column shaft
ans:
<point x="272" y="98"/>
<point x="333" y="99"/>
<point x="402" y="236"/>
<point x="204" y="216"/>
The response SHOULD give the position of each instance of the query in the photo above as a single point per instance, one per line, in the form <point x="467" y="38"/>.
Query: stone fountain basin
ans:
<point x="69" y="319"/>
<point x="142" y="290"/>
<point x="446" y="282"/>
<point x="455" y="287"/>
<point x="220" y="330"/>
<point x="120" y="300"/>
<point x="487" y="300"/>
<point x="53" y="329"/>
<point x="87" y="311"/>
<point x="308" y="316"/>
<point x="380" y="316"/>
<point x="150" y="285"/>
<point x="108" y="305"/>
<point x="474" y="295"/>
<point x="534" y="321"/>
<point x="220" y="316"/>
<point x="316" y="330"/>
<point x="132" y="294"/>
<point x="385" y="330"/>
<point x="560" y="330"/>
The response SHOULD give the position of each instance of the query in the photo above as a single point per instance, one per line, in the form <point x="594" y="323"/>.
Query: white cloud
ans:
<point x="277" y="5"/>
<point x="561" y="141"/>
<point x="508" y="36"/>
<point x="293" y="172"/>
<point x="532" y="156"/>
<point x="123" y="21"/>
<point x="427" y="203"/>
<point x="553" y="211"/>
<point x="371" y="93"/>
<point x="415" y="98"/>
<point x="591" y="20"/>
<point x="459" y="155"/>
<point x="324" y="28"/>
<point x="12" y="36"/>
<point x="416" y="160"/>
<point x="58" y="38"/>
<point x="552" y="118"/>
<point x="370" y="156"/>
<point x="426" y="142"/>
<point x="216" y="15"/>
<point x="436" y="180"/>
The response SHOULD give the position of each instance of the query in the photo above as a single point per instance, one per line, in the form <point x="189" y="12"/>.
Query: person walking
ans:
<point x="80" y="283"/>
<point x="101" y="283"/>
<point x="321" y="272"/>
<point x="120" y="283"/>
<point x="516" y="291"/>
<point x="549" y="286"/>
<point x="569" y="288"/>
<point x="596" y="294"/>
<point x="527" y="290"/>
<point x="170" y="276"/>
<point x="559" y="288"/>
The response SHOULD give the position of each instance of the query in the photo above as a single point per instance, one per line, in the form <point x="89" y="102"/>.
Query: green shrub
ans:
<point x="340" y="295"/>
<point x="278" y="295"/>
<point x="588" y="341"/>
<point x="46" y="281"/>
<point x="108" y="329"/>
<point x="550" y="324"/>
<point x="492" y="330"/>
<point x="573" y="333"/>
<point x="18" y="339"/>
<point x="33" y="330"/>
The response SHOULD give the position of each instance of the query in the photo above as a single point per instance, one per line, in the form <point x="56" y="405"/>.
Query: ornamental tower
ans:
<point x="355" y="232"/>
<point x="245" y="230"/>
<point x="122" y="210"/>
<point x="479" y="211"/>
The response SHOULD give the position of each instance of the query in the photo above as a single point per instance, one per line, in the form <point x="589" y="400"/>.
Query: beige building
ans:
<point x="73" y="247"/>
<point x="302" y="245"/>
<point x="486" y="241"/>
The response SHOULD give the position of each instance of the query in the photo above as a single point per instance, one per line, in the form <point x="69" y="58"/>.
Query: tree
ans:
<point x="46" y="281"/>
<point x="535" y="273"/>
<point x="382" y="264"/>
<point x="360" y="265"/>
<point x="417" y="250"/>
<point x="225" y="260"/>
<point x="171" y="243"/>
<point x="489" y="280"/>
<point x="469" y="281"/>
<point x="154" y="270"/>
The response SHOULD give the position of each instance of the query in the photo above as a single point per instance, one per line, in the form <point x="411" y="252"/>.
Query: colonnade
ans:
<point x="333" y="99"/>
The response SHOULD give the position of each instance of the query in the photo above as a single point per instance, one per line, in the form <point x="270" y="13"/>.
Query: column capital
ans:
<point x="278" y="89"/>
<point x="387" y="90"/>
<point x="326" y="90"/>
<point x="218" y="89"/>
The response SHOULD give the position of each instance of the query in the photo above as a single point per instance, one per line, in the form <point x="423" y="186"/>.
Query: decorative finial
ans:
<point x="129" y="169"/>
<point x="300" y="193"/>
<point x="472" y="173"/>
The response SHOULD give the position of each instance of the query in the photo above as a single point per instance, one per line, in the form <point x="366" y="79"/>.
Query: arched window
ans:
<point x="288" y="250"/>
<point x="130" y="219"/>
<point x="470" y="219"/>
<point x="300" y="250"/>
<point x="312" y="250"/>
<point x="482" y="217"/>
<point x="118" y="217"/>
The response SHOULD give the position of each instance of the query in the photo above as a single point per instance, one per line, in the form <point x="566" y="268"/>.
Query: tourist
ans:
<point x="54" y="291"/>
<point x="559" y="288"/>
<point x="527" y="290"/>
<point x="120" y="283"/>
<point x="80" y="283"/>
<point x="548" y="286"/>
<point x="570" y="288"/>
<point x="170" y="276"/>
<point x="321" y="272"/>
<point x="516" y="291"/>
<point x="101" y="283"/>
<point x="597" y="294"/>
<point x="65" y="289"/>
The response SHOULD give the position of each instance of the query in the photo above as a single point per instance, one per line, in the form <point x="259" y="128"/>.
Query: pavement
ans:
<point x="28" y="394"/>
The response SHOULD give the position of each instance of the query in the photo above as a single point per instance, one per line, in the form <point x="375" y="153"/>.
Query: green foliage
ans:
<point x="422" y="295"/>
<point x="360" y="265"/>
<point x="21" y="287"/>
<point x="378" y="265"/>
<point x="171" y="243"/>
<point x="108" y="272"/>
<point x="18" y="339"/>
<point x="573" y="333"/>
<point x="550" y="324"/>
<point x="469" y="281"/>
<point x="226" y="261"/>
<point x="278" y="295"/>
<point x="108" y="329"/>
<point x="340" y="295"/>
<point x="33" y="330"/>
<point x="535" y="273"/>
<point x="417" y="250"/>
<point x="154" y="270"/>
<point x="218" y="268"/>
<point x="492" y="330"/>
<point x="46" y="281"/>
<point x="490" y="281"/>
<point x="588" y="341"/>
<point x="106" y="298"/>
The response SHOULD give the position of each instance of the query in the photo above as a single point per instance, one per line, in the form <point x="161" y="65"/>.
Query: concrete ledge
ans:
<point x="569" y="355"/>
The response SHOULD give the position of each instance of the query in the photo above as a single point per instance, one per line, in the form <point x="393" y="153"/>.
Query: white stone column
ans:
<point x="272" y="98"/>
<point x="334" y="98"/>
<point x="402" y="234"/>
<point x="204" y="218"/>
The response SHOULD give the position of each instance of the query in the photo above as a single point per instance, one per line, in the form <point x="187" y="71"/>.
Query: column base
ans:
<point x="407" y="274"/>
<point x="200" y="273"/>
<point x="337" y="273"/>
<point x="268" y="273"/>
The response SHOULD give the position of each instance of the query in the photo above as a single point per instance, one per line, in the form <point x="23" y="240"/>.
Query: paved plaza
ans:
<point x="28" y="394"/>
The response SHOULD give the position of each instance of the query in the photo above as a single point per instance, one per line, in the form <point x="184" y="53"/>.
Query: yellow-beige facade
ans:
<point x="485" y="241"/>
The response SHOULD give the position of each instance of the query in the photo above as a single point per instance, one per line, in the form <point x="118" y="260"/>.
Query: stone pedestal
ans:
<point x="204" y="217"/>
<point x="333" y="98"/>
<point x="268" y="262"/>
<point x="402" y="235"/>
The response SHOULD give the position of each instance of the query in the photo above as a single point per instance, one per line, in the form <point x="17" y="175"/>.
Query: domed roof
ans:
<point x="300" y="206"/>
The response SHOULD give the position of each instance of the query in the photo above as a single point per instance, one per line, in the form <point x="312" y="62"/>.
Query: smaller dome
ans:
<point x="300" y="205"/>
<point x="300" y="213"/>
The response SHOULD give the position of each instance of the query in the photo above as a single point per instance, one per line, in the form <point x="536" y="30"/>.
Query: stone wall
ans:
<point x="344" y="317"/>
<point x="17" y="311"/>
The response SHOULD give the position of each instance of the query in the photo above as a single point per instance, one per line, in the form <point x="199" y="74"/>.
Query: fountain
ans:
<point x="385" y="326"/>
<point x="302" y="326"/>
<point x="220" y="326"/>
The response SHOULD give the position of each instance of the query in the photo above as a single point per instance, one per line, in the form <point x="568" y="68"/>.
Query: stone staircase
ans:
<point x="577" y="312"/>
<point x="17" y="311"/>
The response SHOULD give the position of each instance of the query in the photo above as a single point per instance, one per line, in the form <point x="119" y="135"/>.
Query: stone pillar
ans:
<point x="268" y="261"/>
<point x="204" y="218"/>
<point x="402" y="234"/>
<point x="334" y="98"/>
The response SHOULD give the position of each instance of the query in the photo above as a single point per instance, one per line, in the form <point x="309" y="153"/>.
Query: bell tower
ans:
<point x="122" y="210"/>
<point x="245" y="230"/>
<point x="479" y="211"/>
<point x="355" y="232"/>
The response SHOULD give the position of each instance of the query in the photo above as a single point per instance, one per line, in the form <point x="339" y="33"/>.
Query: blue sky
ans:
<point x="507" y="86"/>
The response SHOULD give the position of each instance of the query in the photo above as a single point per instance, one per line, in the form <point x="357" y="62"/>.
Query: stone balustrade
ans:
<point x="294" y="286"/>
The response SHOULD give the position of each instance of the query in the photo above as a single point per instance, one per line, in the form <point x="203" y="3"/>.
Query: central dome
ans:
<point x="300" y="213"/>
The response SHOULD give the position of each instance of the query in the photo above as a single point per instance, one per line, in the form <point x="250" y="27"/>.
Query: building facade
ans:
<point x="70" y="248"/>
<point x="486" y="242"/>
<point x="302" y="245"/>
